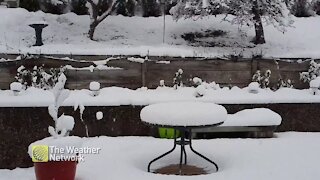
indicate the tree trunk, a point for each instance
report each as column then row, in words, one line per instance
column 92, row 29
column 258, row 26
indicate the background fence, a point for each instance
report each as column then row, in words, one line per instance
column 132, row 74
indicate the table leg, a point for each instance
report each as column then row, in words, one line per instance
column 161, row 156
column 212, row 162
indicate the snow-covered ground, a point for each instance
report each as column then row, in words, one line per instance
column 290, row 156
column 118, row 35
column 115, row 96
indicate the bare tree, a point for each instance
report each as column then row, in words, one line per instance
column 98, row 10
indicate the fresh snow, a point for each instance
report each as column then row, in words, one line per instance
column 16, row 86
column 99, row 115
column 290, row 156
column 94, row 86
column 183, row 114
column 61, row 142
column 254, row 87
column 65, row 122
column 253, row 117
column 118, row 35
column 315, row 83
column 116, row 96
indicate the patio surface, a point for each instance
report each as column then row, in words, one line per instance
column 290, row 156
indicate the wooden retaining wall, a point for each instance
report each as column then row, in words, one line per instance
column 21, row 126
column 148, row 74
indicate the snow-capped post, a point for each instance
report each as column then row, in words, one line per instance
column 98, row 11
column 16, row 88
column 64, row 124
column 94, row 88
column 162, row 83
column 253, row 87
column 315, row 85
column 177, row 80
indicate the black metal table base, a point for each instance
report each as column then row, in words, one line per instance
column 185, row 139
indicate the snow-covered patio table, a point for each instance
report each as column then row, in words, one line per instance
column 183, row 117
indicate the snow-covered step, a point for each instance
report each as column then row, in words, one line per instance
column 253, row 117
column 248, row 120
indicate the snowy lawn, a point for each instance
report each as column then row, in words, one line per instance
column 118, row 35
column 290, row 156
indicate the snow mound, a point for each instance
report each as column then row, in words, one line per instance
column 315, row 83
column 183, row 114
column 65, row 122
column 253, row 117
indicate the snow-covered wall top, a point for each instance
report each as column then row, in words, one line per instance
column 115, row 96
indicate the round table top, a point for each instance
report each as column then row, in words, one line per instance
column 184, row 114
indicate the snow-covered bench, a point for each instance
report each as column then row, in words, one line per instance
column 258, row 122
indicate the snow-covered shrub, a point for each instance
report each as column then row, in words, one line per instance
column 315, row 85
column 94, row 88
column 244, row 12
column 177, row 80
column 301, row 8
column 61, row 128
column 313, row 72
column 284, row 83
column 16, row 88
column 197, row 81
column 262, row 79
column 38, row 76
column 65, row 124
column 316, row 6
column 200, row 91
column 55, row 6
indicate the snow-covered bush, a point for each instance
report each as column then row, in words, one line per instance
column 245, row 12
column 38, row 77
column 312, row 73
column 301, row 8
column 197, row 81
column 200, row 91
column 177, row 80
column 262, row 79
column 63, row 124
column 284, row 83
column 55, row 6
column 315, row 85
column 316, row 6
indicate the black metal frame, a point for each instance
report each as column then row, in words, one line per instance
column 185, row 139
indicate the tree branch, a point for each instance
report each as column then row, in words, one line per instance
column 107, row 13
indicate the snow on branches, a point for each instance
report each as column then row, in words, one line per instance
column 98, row 10
column 244, row 12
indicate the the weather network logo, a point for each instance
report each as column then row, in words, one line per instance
column 40, row 153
